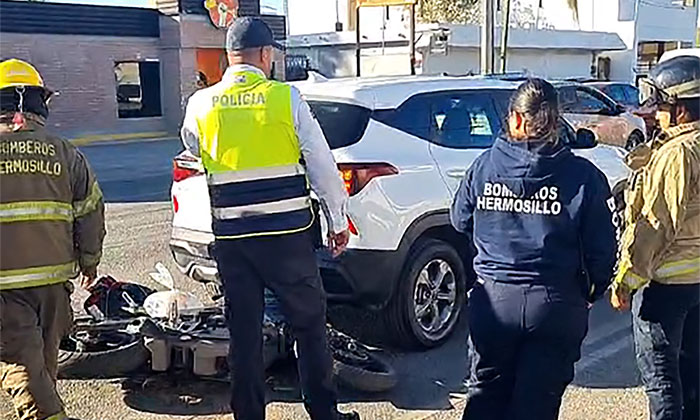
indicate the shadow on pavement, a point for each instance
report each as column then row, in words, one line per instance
column 426, row 379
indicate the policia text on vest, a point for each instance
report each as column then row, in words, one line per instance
column 29, row 157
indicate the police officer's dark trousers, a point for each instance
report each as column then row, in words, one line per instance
column 524, row 341
column 285, row 264
column 667, row 343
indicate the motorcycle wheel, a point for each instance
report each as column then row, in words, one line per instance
column 97, row 349
column 358, row 367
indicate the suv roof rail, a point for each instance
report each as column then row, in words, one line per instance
column 509, row 76
column 467, row 74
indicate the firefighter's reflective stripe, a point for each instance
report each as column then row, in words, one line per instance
column 629, row 278
column 678, row 268
column 23, row 211
column 255, row 174
column 281, row 206
column 90, row 203
column 37, row 276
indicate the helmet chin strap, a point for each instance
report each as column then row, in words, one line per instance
column 18, row 120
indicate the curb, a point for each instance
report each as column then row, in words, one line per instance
column 102, row 138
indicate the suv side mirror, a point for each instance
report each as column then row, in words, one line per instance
column 585, row 138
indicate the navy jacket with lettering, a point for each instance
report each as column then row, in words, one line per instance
column 539, row 215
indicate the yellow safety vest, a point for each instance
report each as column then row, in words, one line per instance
column 251, row 154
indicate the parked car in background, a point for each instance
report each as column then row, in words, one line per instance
column 587, row 107
column 622, row 93
column 402, row 144
column 628, row 96
column 678, row 52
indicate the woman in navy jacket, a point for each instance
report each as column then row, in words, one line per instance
column 545, row 251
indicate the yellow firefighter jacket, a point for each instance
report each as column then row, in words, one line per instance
column 51, row 210
column 661, row 241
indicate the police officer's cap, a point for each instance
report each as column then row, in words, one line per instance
column 677, row 78
column 249, row 32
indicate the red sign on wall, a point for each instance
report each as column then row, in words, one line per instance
column 222, row 12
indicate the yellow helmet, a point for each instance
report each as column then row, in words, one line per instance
column 16, row 73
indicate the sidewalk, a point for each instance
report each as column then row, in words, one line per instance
column 100, row 139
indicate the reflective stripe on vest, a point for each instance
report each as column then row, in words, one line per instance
column 251, row 155
column 281, row 206
column 256, row 174
column 678, row 268
column 37, row 276
column 23, row 211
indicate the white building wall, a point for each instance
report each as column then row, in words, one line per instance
column 543, row 63
column 317, row 16
column 665, row 20
column 637, row 21
column 339, row 61
column 311, row 16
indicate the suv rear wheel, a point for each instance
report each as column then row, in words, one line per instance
column 429, row 297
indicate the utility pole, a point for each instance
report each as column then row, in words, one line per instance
column 358, row 43
column 412, row 38
column 505, row 29
column 487, row 37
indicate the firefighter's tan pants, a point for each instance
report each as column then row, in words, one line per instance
column 32, row 323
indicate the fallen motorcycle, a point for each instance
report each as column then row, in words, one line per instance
column 130, row 325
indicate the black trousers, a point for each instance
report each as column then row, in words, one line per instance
column 667, row 343
column 286, row 265
column 524, row 341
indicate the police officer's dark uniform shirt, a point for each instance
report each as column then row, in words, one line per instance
column 539, row 216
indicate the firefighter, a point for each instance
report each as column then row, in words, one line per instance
column 261, row 147
column 51, row 229
column 545, row 252
column 660, row 251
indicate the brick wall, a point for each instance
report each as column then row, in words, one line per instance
column 81, row 69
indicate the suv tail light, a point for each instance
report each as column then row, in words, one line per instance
column 185, row 167
column 357, row 175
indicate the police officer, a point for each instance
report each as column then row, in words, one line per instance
column 261, row 147
column 660, row 257
column 540, row 220
column 51, row 228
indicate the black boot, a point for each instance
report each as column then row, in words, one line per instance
column 349, row 416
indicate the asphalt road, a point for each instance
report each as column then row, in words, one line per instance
column 431, row 382
column 134, row 171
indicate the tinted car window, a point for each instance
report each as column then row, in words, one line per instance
column 342, row 124
column 568, row 101
column 501, row 99
column 412, row 117
column 632, row 94
column 588, row 103
column 464, row 120
column 578, row 100
column 616, row 92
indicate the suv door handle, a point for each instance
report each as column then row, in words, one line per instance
column 456, row 173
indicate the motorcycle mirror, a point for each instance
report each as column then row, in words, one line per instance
column 163, row 277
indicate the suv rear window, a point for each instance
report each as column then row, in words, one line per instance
column 342, row 124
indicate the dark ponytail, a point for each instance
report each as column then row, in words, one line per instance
column 537, row 101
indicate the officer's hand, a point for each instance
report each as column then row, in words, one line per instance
column 89, row 275
column 337, row 242
column 620, row 297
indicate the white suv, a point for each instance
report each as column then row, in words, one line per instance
column 402, row 147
